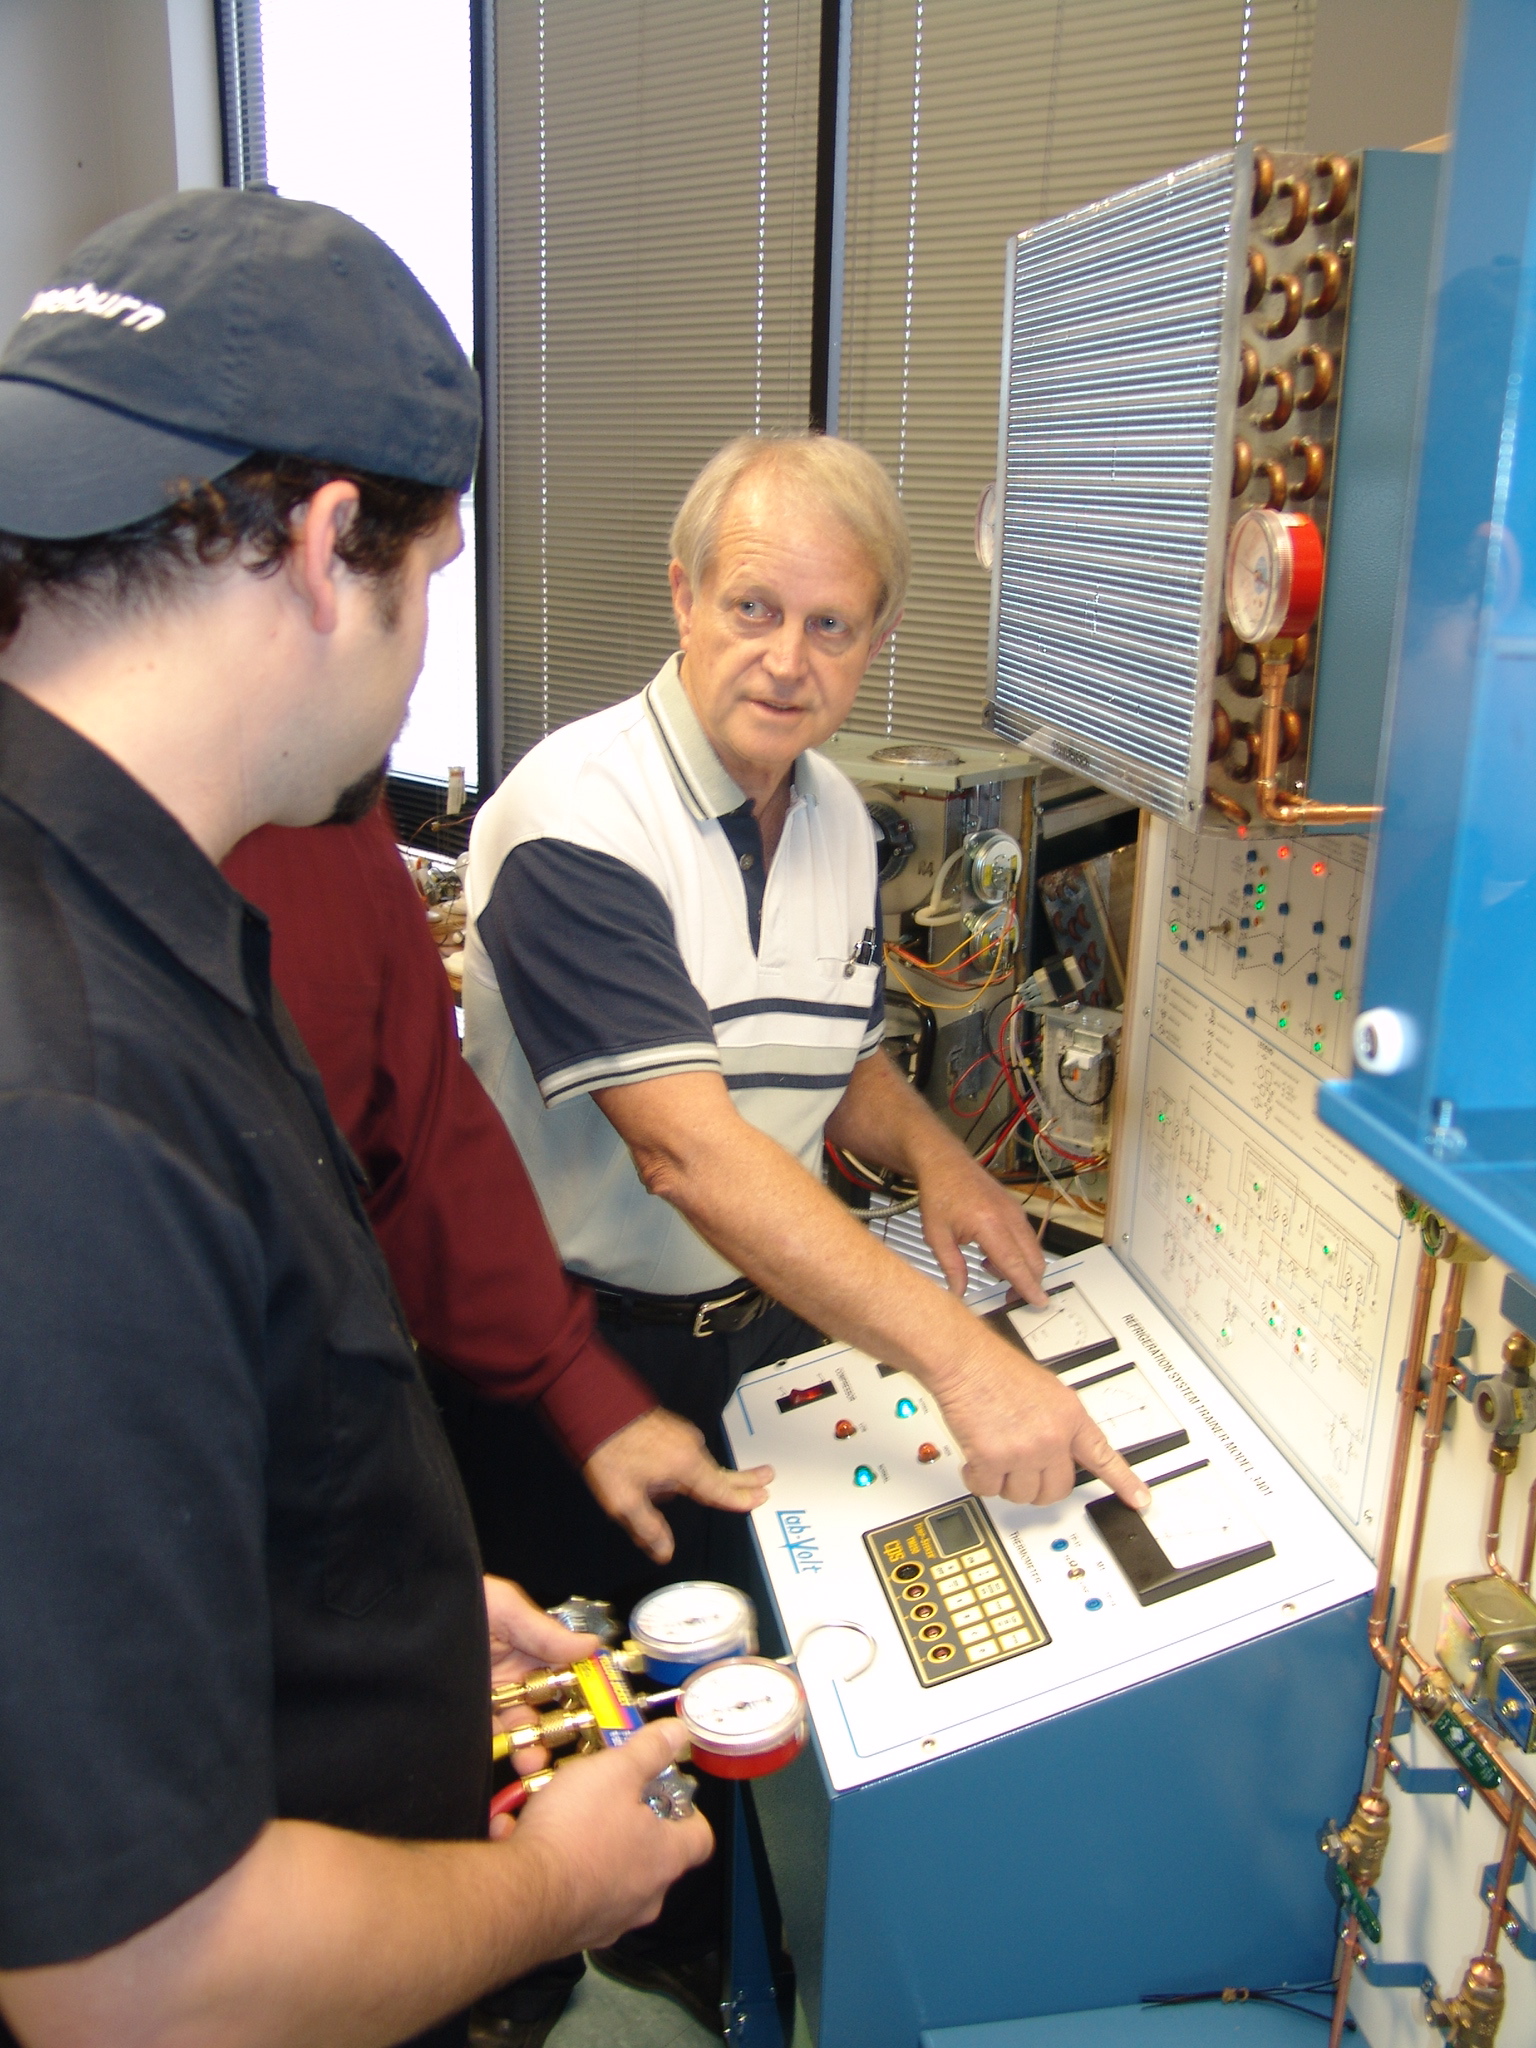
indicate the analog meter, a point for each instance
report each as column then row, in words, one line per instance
column 1274, row 581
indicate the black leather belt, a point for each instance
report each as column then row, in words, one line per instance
column 701, row 1315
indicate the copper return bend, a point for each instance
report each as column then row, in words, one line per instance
column 1291, row 810
column 1228, row 806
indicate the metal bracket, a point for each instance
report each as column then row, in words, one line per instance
column 1429, row 1778
column 1396, row 1976
column 1518, row 1930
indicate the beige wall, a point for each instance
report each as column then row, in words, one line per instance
column 1381, row 73
column 104, row 104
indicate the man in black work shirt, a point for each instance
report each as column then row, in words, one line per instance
column 244, row 1676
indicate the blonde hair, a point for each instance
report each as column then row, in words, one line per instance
column 837, row 475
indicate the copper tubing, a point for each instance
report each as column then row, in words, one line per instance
column 1248, row 378
column 1242, row 467
column 1258, row 281
column 1243, row 759
column 1279, row 484
column 1340, row 173
column 1245, row 673
column 1228, row 806
column 1299, row 192
column 1349, row 1949
column 1320, row 362
column 1285, row 321
column 1263, row 180
column 1313, row 458
column 1330, row 269
column 1498, row 1901
column 1285, row 398
column 1397, row 1474
column 1528, row 1546
column 1301, row 652
column 1221, row 732
column 1228, row 649
column 1292, row 810
column 1442, row 1368
column 1495, row 1527
column 1290, row 733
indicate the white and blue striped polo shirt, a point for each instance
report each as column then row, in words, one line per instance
column 622, row 928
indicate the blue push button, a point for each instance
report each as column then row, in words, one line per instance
column 1060, row 1543
column 1094, row 1604
column 864, row 1475
column 905, row 1407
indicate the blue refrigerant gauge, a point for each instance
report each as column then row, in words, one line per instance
column 696, row 1622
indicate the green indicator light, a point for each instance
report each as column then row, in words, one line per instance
column 1218, row 1230
column 1189, row 1198
column 1327, row 1251
column 1162, row 1116
column 1173, row 927
column 1283, row 1022
column 1227, row 1334
column 1338, row 995
column 1300, row 1332
column 1317, row 1045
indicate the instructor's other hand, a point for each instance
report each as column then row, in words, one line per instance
column 962, row 1204
column 1024, row 1434
column 655, row 1457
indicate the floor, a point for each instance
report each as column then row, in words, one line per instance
column 602, row 2014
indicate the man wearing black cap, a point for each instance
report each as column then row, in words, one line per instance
column 244, row 1672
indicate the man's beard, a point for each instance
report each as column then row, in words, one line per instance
column 359, row 798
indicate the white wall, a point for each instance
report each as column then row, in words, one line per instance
column 104, row 105
column 1381, row 73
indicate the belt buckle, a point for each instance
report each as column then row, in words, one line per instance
column 702, row 1326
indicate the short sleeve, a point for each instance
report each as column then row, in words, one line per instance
column 136, row 1752
column 586, row 958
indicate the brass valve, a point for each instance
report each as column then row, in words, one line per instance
column 550, row 1731
column 536, row 1689
column 1362, row 1841
column 1471, row 2019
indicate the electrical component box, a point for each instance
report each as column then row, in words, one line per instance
column 1484, row 1625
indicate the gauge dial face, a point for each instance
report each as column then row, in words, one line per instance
column 692, row 1615
column 743, row 1705
column 1274, row 580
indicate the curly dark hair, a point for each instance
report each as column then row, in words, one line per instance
column 249, row 510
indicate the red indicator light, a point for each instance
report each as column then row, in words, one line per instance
column 1319, row 867
column 1242, row 831
column 1283, row 852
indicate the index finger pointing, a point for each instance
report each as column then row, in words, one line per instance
column 1093, row 1453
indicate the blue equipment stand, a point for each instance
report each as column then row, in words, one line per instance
column 1161, row 1839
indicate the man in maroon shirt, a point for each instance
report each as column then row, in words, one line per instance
column 482, row 1286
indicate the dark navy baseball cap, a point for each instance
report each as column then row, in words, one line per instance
column 181, row 338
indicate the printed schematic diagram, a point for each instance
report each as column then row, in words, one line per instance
column 1276, row 1246
column 1268, row 931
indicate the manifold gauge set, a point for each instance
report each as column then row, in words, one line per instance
column 692, row 1648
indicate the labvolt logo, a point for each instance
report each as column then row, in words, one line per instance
column 800, row 1541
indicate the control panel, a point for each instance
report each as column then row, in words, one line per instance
column 955, row 1596
column 1278, row 1248
column 1073, row 1601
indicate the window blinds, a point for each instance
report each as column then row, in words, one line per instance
column 968, row 120
column 655, row 228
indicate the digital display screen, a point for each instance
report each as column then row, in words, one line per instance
column 953, row 1530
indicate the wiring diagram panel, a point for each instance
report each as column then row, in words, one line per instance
column 1278, row 1248
column 1267, row 930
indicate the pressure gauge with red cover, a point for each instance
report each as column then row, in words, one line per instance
column 1274, row 581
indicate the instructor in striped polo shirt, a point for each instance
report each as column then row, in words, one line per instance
column 673, row 992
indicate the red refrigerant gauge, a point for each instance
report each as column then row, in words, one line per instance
column 1274, row 582
column 744, row 1718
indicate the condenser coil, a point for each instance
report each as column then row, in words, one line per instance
column 1120, row 356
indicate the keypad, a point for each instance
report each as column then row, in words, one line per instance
column 974, row 1609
